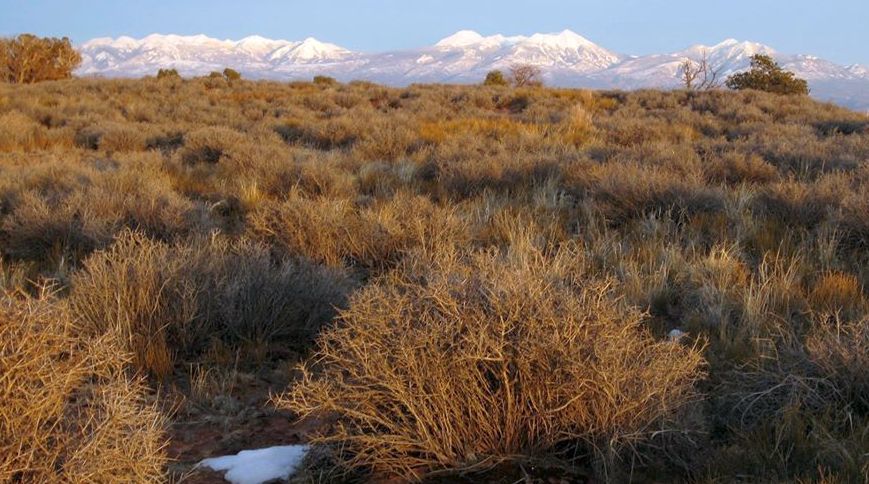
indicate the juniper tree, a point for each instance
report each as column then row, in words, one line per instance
column 766, row 75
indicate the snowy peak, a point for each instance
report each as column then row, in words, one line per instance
column 565, row 50
column 122, row 42
column 566, row 39
column 178, row 41
column 257, row 40
column 470, row 41
column 254, row 45
column 732, row 48
column 727, row 50
column 308, row 50
column 462, row 38
column 259, row 46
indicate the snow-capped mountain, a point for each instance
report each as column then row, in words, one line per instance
column 467, row 56
column 566, row 59
column 197, row 55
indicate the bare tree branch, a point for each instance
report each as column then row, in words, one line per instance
column 700, row 75
column 526, row 75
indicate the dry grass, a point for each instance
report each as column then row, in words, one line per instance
column 837, row 292
column 166, row 301
column 841, row 349
column 203, row 222
column 341, row 232
column 462, row 363
column 132, row 291
column 69, row 412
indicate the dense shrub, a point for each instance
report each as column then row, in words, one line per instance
column 766, row 75
column 461, row 361
column 325, row 81
column 163, row 302
column 231, row 74
column 39, row 228
column 733, row 169
column 526, row 75
column 149, row 301
column 208, row 145
column 339, row 233
column 495, row 78
column 19, row 132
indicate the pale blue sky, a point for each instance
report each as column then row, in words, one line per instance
column 834, row 29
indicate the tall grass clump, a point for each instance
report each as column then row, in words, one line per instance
column 464, row 361
column 134, row 291
column 166, row 303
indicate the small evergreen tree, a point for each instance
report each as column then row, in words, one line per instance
column 325, row 81
column 766, row 75
column 495, row 78
column 231, row 74
column 168, row 74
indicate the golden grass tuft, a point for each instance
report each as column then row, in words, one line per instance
column 735, row 169
column 123, row 138
column 131, row 291
column 496, row 128
column 836, row 291
column 208, row 145
column 19, row 132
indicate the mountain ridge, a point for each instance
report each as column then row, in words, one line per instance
column 566, row 58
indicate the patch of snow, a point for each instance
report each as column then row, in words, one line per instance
column 260, row 465
column 676, row 335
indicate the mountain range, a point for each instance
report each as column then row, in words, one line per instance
column 566, row 59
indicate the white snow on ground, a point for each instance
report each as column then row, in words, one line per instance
column 260, row 465
column 676, row 335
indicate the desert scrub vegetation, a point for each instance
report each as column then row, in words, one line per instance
column 455, row 268
column 70, row 411
column 505, row 357
column 168, row 302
